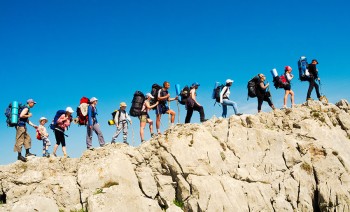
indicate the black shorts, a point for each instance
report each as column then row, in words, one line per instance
column 287, row 87
column 60, row 139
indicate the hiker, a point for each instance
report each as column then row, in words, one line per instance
column 44, row 136
column 262, row 94
column 93, row 125
column 144, row 117
column 162, row 108
column 287, row 88
column 192, row 104
column 22, row 136
column 121, row 121
column 63, row 123
column 313, row 71
column 225, row 100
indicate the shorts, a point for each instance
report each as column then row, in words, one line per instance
column 143, row 118
column 60, row 139
column 287, row 87
column 161, row 109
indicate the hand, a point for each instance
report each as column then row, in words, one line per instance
column 35, row 127
column 29, row 115
column 177, row 97
column 157, row 103
column 90, row 126
column 319, row 79
column 268, row 84
column 221, row 102
column 130, row 122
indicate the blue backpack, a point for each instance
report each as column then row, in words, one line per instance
column 53, row 124
column 303, row 71
column 12, row 113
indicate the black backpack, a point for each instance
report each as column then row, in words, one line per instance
column 154, row 92
column 217, row 92
column 111, row 121
column 184, row 94
column 136, row 104
column 252, row 85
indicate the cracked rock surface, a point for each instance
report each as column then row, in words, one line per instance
column 291, row 160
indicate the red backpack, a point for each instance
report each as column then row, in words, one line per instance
column 38, row 135
column 82, row 111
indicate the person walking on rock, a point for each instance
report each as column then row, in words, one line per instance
column 44, row 136
column 288, row 88
column 313, row 71
column 225, row 100
column 162, row 108
column 121, row 121
column 144, row 118
column 63, row 123
column 262, row 93
column 192, row 104
column 22, row 136
column 93, row 125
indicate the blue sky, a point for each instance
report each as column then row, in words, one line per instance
column 58, row 51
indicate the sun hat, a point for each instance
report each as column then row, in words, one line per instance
column 123, row 104
column 30, row 101
column 229, row 81
column 42, row 118
column 149, row 95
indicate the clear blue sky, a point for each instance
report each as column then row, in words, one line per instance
column 58, row 51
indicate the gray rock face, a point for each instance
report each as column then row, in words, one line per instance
column 292, row 160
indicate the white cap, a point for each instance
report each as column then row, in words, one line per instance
column 69, row 109
column 149, row 95
column 229, row 80
column 93, row 99
column 42, row 118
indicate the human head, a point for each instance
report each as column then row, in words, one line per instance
column 31, row 102
column 229, row 82
column 314, row 61
column 93, row 100
column 43, row 120
column 69, row 110
column 166, row 85
column 122, row 105
column 148, row 95
column 287, row 68
column 195, row 85
column 262, row 77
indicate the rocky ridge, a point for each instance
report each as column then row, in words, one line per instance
column 286, row 160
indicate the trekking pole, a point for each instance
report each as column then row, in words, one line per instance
column 133, row 135
column 178, row 112
column 169, row 114
column 61, row 131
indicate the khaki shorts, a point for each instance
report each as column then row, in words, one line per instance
column 22, row 138
column 143, row 118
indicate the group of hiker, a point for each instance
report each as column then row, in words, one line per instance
column 158, row 99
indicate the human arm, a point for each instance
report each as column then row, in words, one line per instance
column 263, row 86
column 223, row 91
column 128, row 117
column 193, row 96
column 148, row 106
column 89, row 116
column 116, row 118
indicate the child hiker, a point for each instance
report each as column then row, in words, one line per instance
column 44, row 136
column 121, row 121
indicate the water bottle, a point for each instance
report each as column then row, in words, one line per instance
column 274, row 73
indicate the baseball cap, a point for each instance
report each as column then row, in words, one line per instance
column 93, row 99
column 123, row 104
column 314, row 60
column 69, row 109
column 195, row 84
column 287, row 68
column 30, row 101
column 229, row 80
column 149, row 95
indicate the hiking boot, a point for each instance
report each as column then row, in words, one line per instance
column 30, row 154
column 204, row 120
column 54, row 154
column 125, row 142
column 90, row 148
column 309, row 99
column 239, row 114
column 152, row 135
column 112, row 142
column 102, row 145
column 21, row 158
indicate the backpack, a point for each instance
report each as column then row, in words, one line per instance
column 53, row 124
column 154, row 92
column 136, row 104
column 251, row 86
column 184, row 94
column 12, row 113
column 82, row 111
column 303, row 69
column 38, row 135
column 280, row 81
column 111, row 122
column 217, row 92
